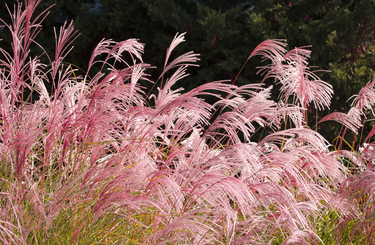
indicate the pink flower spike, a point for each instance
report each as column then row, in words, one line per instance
column 66, row 37
column 366, row 97
column 176, row 41
column 298, row 54
column 187, row 59
column 352, row 120
column 270, row 49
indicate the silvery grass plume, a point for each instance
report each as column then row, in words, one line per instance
column 92, row 162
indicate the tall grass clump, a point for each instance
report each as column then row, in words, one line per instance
column 96, row 160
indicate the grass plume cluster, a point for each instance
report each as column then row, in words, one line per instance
column 97, row 160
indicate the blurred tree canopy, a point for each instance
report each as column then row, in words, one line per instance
column 225, row 32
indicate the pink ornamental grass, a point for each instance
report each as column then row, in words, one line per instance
column 291, row 71
column 92, row 162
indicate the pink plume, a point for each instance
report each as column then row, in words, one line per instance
column 270, row 49
column 366, row 97
column 352, row 119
